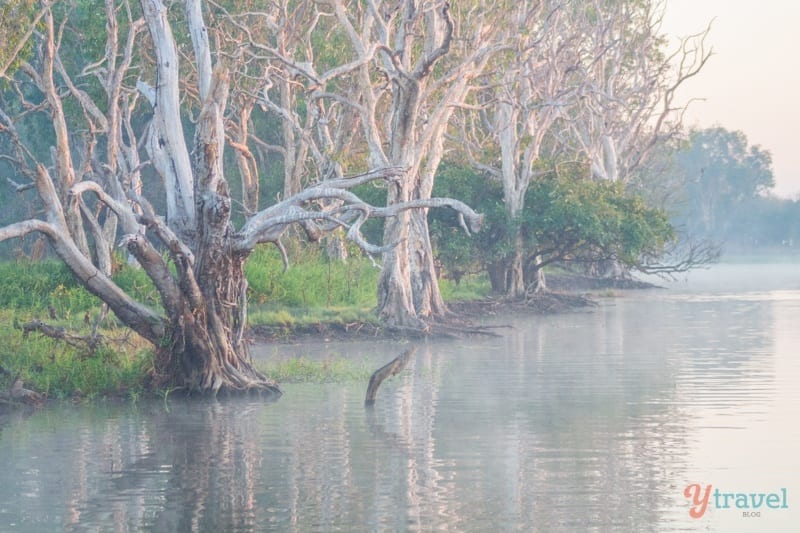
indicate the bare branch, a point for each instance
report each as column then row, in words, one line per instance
column 20, row 229
column 20, row 187
column 683, row 257
column 123, row 211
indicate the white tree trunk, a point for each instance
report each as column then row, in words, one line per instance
column 166, row 143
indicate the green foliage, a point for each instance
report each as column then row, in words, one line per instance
column 564, row 218
column 459, row 253
column 86, row 28
column 312, row 281
column 16, row 18
column 577, row 219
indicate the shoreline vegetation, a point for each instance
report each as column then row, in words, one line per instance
column 56, row 347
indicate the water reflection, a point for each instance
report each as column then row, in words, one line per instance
column 578, row 422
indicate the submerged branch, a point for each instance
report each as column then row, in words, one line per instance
column 393, row 368
column 18, row 394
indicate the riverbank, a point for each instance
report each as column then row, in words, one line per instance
column 566, row 292
column 52, row 349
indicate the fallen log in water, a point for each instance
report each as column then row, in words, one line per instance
column 394, row 367
column 18, row 394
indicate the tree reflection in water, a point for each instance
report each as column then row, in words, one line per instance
column 566, row 422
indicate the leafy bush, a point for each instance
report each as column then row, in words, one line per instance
column 582, row 220
column 565, row 218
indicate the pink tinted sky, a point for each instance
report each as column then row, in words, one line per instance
column 752, row 82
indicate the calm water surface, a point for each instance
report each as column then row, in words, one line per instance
column 588, row 421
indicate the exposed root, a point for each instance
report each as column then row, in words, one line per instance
column 547, row 302
column 226, row 380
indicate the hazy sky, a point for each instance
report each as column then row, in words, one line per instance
column 752, row 82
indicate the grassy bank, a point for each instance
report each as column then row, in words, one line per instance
column 312, row 291
column 304, row 370
column 64, row 368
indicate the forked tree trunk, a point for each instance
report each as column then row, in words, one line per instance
column 204, row 349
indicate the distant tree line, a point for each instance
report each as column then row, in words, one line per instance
column 721, row 191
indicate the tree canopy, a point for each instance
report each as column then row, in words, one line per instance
column 565, row 219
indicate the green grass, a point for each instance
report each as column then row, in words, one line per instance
column 49, row 286
column 35, row 286
column 301, row 316
column 303, row 370
column 313, row 291
column 311, row 281
column 58, row 370
column 470, row 288
column 48, row 291
column 316, row 290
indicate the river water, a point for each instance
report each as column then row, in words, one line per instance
column 596, row 420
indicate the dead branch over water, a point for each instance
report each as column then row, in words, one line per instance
column 392, row 368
